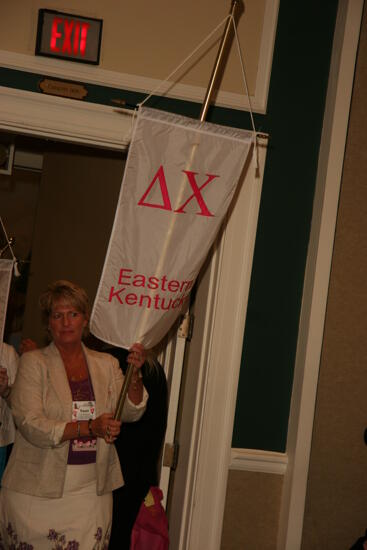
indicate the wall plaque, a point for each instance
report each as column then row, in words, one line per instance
column 62, row 88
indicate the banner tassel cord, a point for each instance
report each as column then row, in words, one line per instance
column 9, row 245
column 240, row 56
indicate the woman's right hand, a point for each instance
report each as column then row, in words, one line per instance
column 106, row 426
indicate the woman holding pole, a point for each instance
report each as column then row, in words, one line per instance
column 57, row 487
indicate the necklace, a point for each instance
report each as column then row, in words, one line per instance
column 77, row 377
column 76, row 371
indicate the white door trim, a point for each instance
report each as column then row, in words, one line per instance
column 175, row 352
column 64, row 119
column 318, row 269
column 220, row 362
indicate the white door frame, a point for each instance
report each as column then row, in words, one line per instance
column 229, row 283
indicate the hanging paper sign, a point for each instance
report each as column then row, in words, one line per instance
column 6, row 267
column 179, row 180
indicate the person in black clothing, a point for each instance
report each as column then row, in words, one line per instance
column 139, row 447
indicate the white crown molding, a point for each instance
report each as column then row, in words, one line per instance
column 94, row 75
column 252, row 460
column 64, row 119
column 58, row 68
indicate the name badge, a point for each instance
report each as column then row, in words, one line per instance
column 84, row 410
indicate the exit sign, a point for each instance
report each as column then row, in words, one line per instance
column 69, row 36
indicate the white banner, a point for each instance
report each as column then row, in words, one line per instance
column 179, row 180
column 6, row 267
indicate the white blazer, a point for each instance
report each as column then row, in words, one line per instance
column 41, row 403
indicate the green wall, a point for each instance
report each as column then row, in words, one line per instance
column 294, row 120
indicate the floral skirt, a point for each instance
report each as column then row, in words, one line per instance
column 80, row 520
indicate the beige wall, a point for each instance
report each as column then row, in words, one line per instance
column 336, row 504
column 147, row 38
column 252, row 511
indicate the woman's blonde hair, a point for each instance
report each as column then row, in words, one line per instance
column 70, row 292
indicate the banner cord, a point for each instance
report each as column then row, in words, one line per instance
column 247, row 93
column 183, row 62
column 16, row 271
column 167, row 79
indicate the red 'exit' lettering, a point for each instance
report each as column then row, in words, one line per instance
column 69, row 36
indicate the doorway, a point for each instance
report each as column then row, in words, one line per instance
column 58, row 206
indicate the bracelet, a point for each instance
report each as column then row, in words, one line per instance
column 135, row 380
column 90, row 427
column 78, row 429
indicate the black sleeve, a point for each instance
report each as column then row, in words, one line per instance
column 139, row 447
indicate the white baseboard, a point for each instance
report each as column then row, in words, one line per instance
column 252, row 460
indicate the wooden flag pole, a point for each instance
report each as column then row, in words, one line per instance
column 124, row 390
column 204, row 110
